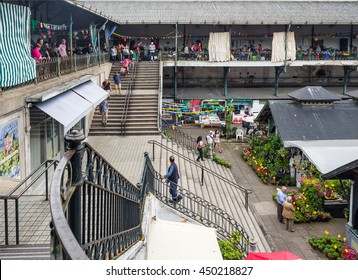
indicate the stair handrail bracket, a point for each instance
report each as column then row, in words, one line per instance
column 96, row 211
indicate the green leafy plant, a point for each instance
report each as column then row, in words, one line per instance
column 335, row 248
column 166, row 134
column 221, row 161
column 268, row 158
column 230, row 249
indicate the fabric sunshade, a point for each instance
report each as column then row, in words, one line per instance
column 70, row 107
column 91, row 92
column 327, row 155
column 219, row 46
column 67, row 108
column 278, row 47
column 16, row 64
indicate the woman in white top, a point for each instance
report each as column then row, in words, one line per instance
column 217, row 141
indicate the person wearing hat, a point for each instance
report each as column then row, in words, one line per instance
column 210, row 141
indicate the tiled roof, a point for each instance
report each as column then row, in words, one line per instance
column 225, row 12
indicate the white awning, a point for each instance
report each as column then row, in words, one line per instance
column 71, row 106
column 91, row 92
column 327, row 155
column 67, row 108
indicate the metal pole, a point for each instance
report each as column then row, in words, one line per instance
column 6, row 223
column 71, row 24
column 17, row 220
column 226, row 72
column 202, row 176
column 99, row 48
column 175, row 63
column 346, row 74
column 278, row 71
column 74, row 140
column 153, row 152
column 46, row 179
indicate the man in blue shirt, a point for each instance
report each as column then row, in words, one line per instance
column 281, row 197
column 173, row 177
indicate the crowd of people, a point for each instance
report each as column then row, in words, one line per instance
column 44, row 51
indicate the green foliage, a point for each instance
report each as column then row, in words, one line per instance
column 166, row 134
column 221, row 161
column 333, row 247
column 230, row 249
column 268, row 157
column 228, row 121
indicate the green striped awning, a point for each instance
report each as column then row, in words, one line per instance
column 16, row 64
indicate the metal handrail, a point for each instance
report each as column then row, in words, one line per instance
column 245, row 191
column 179, row 136
column 96, row 211
column 205, row 212
column 20, row 191
column 127, row 101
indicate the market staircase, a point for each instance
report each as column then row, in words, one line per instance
column 142, row 115
column 214, row 189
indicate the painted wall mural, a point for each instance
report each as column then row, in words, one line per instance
column 9, row 150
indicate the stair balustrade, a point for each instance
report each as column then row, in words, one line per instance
column 97, row 213
column 193, row 206
column 204, row 169
column 25, row 196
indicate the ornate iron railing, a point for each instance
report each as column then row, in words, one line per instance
column 96, row 212
column 193, row 206
column 24, row 198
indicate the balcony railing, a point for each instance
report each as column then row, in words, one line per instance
column 264, row 56
column 56, row 67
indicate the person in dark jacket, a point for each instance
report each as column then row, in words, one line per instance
column 173, row 177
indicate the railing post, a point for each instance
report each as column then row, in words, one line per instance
column 59, row 66
column 46, row 179
column 75, row 62
column 17, row 221
column 153, row 152
column 202, row 176
column 246, row 200
column 6, row 222
column 74, row 140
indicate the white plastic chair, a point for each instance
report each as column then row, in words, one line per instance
column 239, row 133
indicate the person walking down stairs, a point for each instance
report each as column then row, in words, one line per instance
column 173, row 177
column 103, row 109
column 117, row 82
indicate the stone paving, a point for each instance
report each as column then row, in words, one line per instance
column 261, row 200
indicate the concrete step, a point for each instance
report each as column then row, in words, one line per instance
column 218, row 192
column 25, row 252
